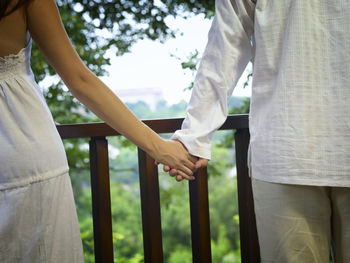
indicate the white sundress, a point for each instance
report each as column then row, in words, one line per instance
column 38, row 220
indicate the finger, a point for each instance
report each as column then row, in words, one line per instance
column 189, row 165
column 166, row 168
column 185, row 170
column 156, row 163
column 173, row 172
column 185, row 176
column 179, row 178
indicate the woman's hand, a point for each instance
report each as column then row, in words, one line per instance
column 173, row 154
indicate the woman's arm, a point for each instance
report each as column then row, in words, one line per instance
column 47, row 30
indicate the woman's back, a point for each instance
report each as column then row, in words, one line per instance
column 31, row 149
column 13, row 32
column 38, row 221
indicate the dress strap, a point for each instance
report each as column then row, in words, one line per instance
column 28, row 38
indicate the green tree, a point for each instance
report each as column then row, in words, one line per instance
column 123, row 23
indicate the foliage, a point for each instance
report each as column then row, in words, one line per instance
column 243, row 109
column 97, row 26
column 126, row 216
column 190, row 64
column 125, row 200
column 123, row 22
column 162, row 110
column 174, row 200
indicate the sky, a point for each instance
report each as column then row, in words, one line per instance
column 150, row 65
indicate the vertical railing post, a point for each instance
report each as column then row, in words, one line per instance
column 150, row 206
column 200, row 221
column 101, row 202
column 248, row 233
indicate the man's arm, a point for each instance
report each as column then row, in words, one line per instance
column 228, row 51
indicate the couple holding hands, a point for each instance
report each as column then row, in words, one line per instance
column 299, row 126
column 38, row 220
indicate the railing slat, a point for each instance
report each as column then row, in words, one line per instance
column 101, row 201
column 200, row 221
column 150, row 206
column 248, row 233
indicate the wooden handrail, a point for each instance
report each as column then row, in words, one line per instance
column 100, row 129
column 150, row 203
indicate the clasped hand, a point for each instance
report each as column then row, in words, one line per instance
column 178, row 162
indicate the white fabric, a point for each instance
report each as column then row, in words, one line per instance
column 300, row 108
column 38, row 221
column 298, row 223
column 30, row 146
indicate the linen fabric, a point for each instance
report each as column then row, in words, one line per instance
column 38, row 221
column 298, row 223
column 31, row 149
column 299, row 115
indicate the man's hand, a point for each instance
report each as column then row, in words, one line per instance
column 201, row 162
column 173, row 153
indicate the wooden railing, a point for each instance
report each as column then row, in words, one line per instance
column 149, row 187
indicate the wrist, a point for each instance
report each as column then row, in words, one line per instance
column 153, row 144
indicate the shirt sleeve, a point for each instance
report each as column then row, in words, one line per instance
column 227, row 53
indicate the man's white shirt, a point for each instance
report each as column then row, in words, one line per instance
column 300, row 106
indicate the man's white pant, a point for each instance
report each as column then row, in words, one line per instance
column 298, row 223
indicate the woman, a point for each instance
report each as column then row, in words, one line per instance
column 38, row 222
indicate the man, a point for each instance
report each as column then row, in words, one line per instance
column 299, row 119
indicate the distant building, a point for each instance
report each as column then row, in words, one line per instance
column 149, row 95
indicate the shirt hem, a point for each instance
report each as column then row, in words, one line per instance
column 310, row 182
